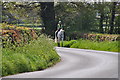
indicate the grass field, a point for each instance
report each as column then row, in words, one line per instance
column 87, row 44
column 37, row 55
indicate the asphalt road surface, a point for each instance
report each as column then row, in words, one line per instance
column 79, row 63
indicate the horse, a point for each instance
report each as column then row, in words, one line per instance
column 59, row 36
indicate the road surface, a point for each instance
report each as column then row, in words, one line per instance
column 79, row 63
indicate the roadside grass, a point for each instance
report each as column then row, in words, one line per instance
column 37, row 55
column 69, row 43
column 94, row 45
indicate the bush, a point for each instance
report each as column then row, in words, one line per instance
column 37, row 55
column 95, row 45
column 16, row 36
column 69, row 43
column 92, row 36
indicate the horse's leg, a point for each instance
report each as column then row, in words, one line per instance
column 58, row 44
column 62, row 44
column 58, row 41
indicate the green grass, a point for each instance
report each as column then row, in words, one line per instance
column 37, row 55
column 69, row 43
column 87, row 44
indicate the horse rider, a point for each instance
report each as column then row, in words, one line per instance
column 59, row 34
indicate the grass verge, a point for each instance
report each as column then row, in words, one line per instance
column 87, row 44
column 37, row 55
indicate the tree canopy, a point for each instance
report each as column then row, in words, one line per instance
column 84, row 17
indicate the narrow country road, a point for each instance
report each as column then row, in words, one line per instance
column 79, row 63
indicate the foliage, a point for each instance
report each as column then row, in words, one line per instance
column 93, row 36
column 37, row 55
column 103, row 46
column 69, row 43
column 76, row 15
column 101, row 37
column 89, row 16
column 21, row 12
column 23, row 51
column 13, row 36
column 101, row 17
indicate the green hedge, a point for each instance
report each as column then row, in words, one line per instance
column 94, row 45
column 37, row 55
column 69, row 43
column 12, row 35
column 93, row 36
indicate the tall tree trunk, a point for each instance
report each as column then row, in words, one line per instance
column 48, row 17
column 112, row 17
column 101, row 22
column 106, row 27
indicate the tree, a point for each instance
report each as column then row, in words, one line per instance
column 26, row 12
column 112, row 17
column 75, row 15
column 100, row 8
column 48, row 17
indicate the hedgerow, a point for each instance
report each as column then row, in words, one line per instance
column 94, row 36
column 37, row 55
column 16, row 36
column 24, row 51
column 94, row 45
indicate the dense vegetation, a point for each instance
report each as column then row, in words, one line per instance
column 94, row 45
column 82, row 17
column 93, row 17
column 96, row 24
column 37, row 55
column 95, row 37
column 24, row 50
column 13, row 36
